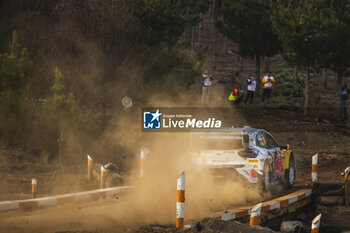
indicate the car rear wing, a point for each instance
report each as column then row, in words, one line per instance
column 234, row 132
column 228, row 129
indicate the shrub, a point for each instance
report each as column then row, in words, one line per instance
column 16, row 110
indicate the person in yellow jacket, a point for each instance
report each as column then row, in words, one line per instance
column 267, row 81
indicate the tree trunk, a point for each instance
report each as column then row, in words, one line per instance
column 240, row 63
column 192, row 40
column 214, row 34
column 267, row 65
column 306, row 102
column 325, row 77
column 296, row 74
column 257, row 72
column 225, row 45
column 200, row 30
column 338, row 93
column 187, row 37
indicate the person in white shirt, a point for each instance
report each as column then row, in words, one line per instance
column 251, row 89
column 206, row 89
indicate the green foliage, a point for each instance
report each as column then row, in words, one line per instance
column 58, row 114
column 171, row 72
column 314, row 34
column 98, row 42
column 163, row 21
column 286, row 85
column 60, row 107
column 248, row 23
column 15, row 106
column 338, row 40
column 16, row 67
column 287, row 90
column 302, row 27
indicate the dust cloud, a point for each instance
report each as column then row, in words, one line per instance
column 155, row 195
column 152, row 201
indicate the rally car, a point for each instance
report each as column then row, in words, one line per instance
column 250, row 153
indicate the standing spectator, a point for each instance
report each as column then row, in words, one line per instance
column 344, row 99
column 206, row 89
column 251, row 89
column 267, row 80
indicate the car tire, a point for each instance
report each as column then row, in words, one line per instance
column 291, row 172
column 267, row 178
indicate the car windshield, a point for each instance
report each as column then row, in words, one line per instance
column 218, row 143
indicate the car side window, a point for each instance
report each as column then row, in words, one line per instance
column 260, row 140
column 271, row 143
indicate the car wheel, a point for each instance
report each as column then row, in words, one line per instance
column 267, row 178
column 291, row 172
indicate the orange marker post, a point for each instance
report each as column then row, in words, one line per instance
column 34, row 187
column 180, row 201
column 255, row 215
column 346, row 185
column 346, row 174
column 89, row 166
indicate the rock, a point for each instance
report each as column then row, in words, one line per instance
column 331, row 200
column 292, row 227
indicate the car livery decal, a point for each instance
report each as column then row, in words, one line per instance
column 250, row 177
column 253, row 161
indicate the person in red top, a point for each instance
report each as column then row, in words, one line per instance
column 267, row 81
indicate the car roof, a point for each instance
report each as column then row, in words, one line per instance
column 232, row 130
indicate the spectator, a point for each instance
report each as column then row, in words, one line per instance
column 206, row 89
column 267, row 80
column 251, row 89
column 236, row 96
column 344, row 99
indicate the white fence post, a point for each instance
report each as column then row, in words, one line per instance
column 316, row 222
column 103, row 177
column 314, row 169
column 143, row 156
column 180, row 201
column 255, row 215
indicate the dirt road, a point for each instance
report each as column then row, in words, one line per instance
column 129, row 213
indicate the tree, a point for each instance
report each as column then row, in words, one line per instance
column 338, row 38
column 58, row 114
column 15, row 71
column 60, row 108
column 302, row 27
column 163, row 21
column 247, row 23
